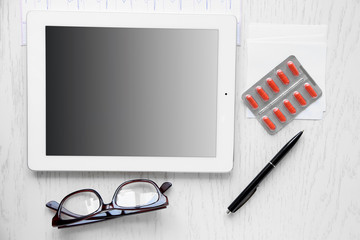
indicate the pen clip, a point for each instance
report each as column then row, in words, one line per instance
column 246, row 199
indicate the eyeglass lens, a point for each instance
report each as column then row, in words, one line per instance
column 137, row 194
column 82, row 203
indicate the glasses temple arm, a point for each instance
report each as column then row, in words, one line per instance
column 114, row 213
column 81, row 223
column 165, row 186
column 102, row 216
column 97, row 217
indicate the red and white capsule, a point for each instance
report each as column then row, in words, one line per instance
column 272, row 85
column 269, row 123
column 284, row 79
column 299, row 98
column 310, row 90
column 293, row 68
column 279, row 115
column 262, row 93
column 252, row 101
column 289, row 106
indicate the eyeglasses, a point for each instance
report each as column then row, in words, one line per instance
column 86, row 206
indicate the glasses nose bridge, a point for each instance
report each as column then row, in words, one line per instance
column 108, row 206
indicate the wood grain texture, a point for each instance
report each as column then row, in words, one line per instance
column 313, row 194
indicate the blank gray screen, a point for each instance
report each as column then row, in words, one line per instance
column 131, row 91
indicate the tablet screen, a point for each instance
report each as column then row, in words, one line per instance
column 131, row 91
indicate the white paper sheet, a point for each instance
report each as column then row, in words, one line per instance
column 263, row 30
column 176, row 6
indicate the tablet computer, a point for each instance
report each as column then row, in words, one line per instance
column 130, row 92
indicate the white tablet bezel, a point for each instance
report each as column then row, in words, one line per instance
column 37, row 159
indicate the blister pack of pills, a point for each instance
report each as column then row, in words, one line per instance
column 283, row 93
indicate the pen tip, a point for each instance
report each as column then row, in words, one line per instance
column 228, row 211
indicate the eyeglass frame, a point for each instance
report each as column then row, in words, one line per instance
column 109, row 210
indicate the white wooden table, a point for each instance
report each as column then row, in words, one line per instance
column 313, row 194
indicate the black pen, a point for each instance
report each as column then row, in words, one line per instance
column 251, row 188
